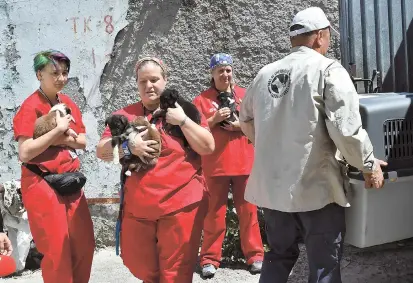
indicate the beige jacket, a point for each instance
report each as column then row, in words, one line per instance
column 304, row 108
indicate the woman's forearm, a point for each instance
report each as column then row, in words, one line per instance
column 75, row 143
column 211, row 122
column 30, row 148
column 104, row 150
column 199, row 138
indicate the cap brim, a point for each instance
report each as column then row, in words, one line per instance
column 333, row 32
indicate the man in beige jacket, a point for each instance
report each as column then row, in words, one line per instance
column 298, row 111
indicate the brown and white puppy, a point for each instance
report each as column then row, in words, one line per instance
column 122, row 130
column 46, row 123
column 153, row 134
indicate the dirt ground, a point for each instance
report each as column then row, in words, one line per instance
column 390, row 263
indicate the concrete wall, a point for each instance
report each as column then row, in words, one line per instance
column 104, row 38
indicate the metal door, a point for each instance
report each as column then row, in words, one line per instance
column 377, row 44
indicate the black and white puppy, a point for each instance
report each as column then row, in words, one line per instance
column 167, row 100
column 226, row 99
column 122, row 130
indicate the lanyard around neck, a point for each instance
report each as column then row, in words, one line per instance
column 47, row 98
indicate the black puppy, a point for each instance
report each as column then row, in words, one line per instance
column 167, row 100
column 121, row 130
column 226, row 99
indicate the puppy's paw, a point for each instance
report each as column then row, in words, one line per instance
column 116, row 154
column 153, row 162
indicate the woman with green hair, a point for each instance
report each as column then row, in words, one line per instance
column 61, row 224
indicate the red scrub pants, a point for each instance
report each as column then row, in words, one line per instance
column 163, row 250
column 63, row 232
column 214, row 225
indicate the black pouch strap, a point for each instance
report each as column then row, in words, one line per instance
column 36, row 170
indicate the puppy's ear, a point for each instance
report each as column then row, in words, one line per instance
column 164, row 99
column 60, row 113
column 108, row 120
column 68, row 111
column 174, row 94
column 38, row 113
column 171, row 96
column 124, row 120
column 164, row 92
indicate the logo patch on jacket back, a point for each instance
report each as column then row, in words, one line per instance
column 279, row 83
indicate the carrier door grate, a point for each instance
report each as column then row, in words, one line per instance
column 398, row 139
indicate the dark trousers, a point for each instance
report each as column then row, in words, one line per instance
column 323, row 232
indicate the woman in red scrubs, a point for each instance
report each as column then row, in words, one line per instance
column 164, row 207
column 61, row 225
column 229, row 165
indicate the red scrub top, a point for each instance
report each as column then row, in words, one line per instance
column 175, row 182
column 54, row 159
column 233, row 154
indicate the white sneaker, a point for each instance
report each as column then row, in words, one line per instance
column 256, row 267
column 208, row 270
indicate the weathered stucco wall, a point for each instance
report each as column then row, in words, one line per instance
column 104, row 38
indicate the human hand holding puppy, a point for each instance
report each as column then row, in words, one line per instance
column 142, row 148
column 232, row 126
column 176, row 116
column 221, row 115
column 62, row 124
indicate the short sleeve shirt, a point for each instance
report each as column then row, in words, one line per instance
column 54, row 159
column 175, row 182
column 234, row 153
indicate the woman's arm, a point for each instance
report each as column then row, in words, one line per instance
column 75, row 143
column 138, row 147
column 249, row 130
column 232, row 126
column 199, row 138
column 104, row 150
column 75, row 137
column 219, row 116
column 30, row 148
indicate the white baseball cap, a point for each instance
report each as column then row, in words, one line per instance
column 311, row 19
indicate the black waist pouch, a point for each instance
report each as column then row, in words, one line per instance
column 64, row 184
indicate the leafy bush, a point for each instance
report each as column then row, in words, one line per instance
column 231, row 248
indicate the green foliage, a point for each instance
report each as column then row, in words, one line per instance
column 231, row 248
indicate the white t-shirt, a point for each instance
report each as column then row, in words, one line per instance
column 303, row 108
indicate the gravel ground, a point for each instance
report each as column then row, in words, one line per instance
column 391, row 263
